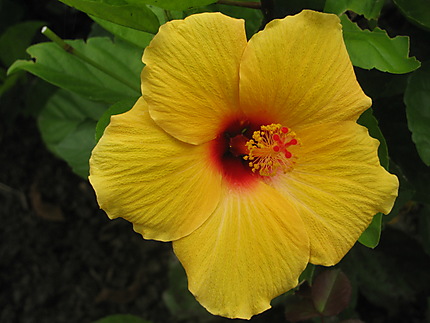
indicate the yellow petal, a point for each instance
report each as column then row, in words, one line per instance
column 192, row 74
column 165, row 187
column 252, row 249
column 297, row 71
column 338, row 186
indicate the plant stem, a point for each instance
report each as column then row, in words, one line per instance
column 247, row 4
column 68, row 48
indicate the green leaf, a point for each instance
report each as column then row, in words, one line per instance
column 417, row 100
column 307, row 274
column 402, row 149
column 167, row 15
column 173, row 4
column 65, row 70
column 369, row 8
column 133, row 14
column 371, row 236
column 117, row 108
column 417, row 11
column 138, row 38
column 15, row 40
column 122, row 318
column 375, row 49
column 67, row 124
column 34, row 104
column 8, row 82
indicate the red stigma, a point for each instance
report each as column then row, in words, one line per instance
column 268, row 150
column 292, row 142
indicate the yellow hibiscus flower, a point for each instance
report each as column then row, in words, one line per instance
column 246, row 155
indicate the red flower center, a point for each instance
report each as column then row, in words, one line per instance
column 247, row 150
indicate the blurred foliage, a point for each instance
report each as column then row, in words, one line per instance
column 121, row 318
column 417, row 100
column 389, row 45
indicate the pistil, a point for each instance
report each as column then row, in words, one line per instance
column 269, row 150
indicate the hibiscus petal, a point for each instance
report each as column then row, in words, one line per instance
column 165, row 187
column 338, row 186
column 192, row 74
column 252, row 249
column 297, row 71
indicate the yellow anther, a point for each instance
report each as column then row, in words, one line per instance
column 269, row 150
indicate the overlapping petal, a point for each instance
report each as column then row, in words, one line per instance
column 191, row 76
column 250, row 250
column 337, row 186
column 165, row 187
column 297, row 70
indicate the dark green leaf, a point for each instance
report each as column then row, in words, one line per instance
column 375, row 49
column 34, row 104
column 76, row 147
column 173, row 4
column 8, row 82
column 67, row 124
column 369, row 8
column 370, row 237
column 331, row 292
column 122, row 318
column 133, row 14
column 369, row 121
column 65, row 70
column 117, row 108
column 402, row 150
column 307, row 274
column 417, row 11
column 167, row 15
column 136, row 37
column 15, row 40
column 417, row 100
